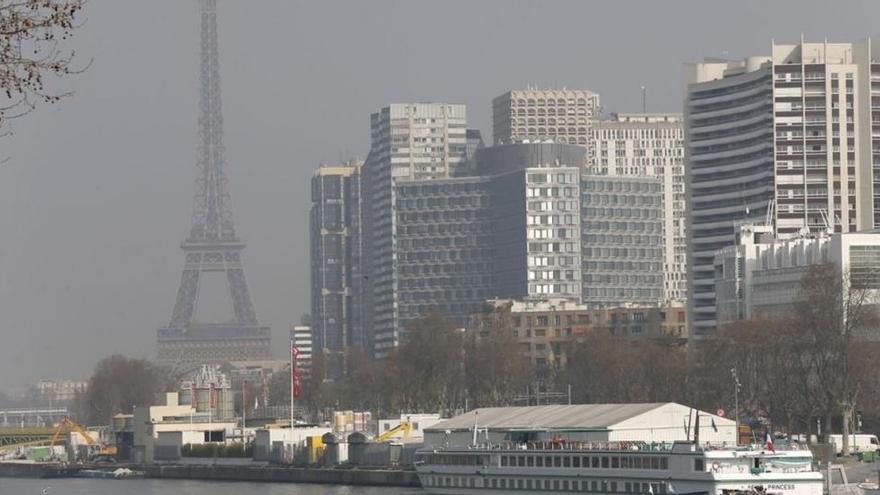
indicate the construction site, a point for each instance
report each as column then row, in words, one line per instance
column 200, row 423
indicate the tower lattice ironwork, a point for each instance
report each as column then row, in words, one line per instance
column 212, row 244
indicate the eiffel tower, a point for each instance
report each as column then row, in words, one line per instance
column 212, row 245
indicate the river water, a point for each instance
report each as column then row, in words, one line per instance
column 78, row 486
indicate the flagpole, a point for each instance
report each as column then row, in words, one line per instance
column 292, row 378
column 243, row 408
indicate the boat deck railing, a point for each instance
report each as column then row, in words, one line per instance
column 619, row 447
column 577, row 446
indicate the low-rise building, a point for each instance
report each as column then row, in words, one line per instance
column 763, row 276
column 178, row 424
column 547, row 328
column 56, row 391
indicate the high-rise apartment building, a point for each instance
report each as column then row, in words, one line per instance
column 785, row 140
column 649, row 145
column 622, row 240
column 303, row 339
column 418, row 141
column 444, row 252
column 512, row 231
column 336, row 257
column 560, row 115
column 536, row 218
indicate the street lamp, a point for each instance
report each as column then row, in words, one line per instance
column 736, row 387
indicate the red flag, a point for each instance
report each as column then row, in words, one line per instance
column 295, row 387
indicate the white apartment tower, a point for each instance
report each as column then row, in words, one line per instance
column 560, row 115
column 784, row 140
column 410, row 141
column 649, row 145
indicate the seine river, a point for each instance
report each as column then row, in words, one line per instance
column 78, row 486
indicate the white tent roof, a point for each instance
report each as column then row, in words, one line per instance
column 580, row 416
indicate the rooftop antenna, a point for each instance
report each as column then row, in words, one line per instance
column 644, row 99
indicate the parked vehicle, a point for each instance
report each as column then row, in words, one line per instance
column 858, row 442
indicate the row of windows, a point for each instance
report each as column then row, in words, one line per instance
column 621, row 134
column 558, row 138
column 549, row 101
column 597, row 462
column 552, row 121
column 554, row 485
column 599, row 296
column 599, row 185
column 421, row 190
column 622, row 199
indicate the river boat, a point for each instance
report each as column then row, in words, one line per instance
column 681, row 468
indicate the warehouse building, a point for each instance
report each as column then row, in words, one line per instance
column 650, row 422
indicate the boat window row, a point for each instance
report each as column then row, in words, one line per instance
column 457, row 459
column 554, row 485
column 586, row 461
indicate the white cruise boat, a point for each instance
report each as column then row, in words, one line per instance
column 618, row 467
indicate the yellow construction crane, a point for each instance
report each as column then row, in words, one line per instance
column 98, row 448
column 405, row 427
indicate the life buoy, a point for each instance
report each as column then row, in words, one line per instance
column 715, row 467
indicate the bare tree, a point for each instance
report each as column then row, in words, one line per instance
column 767, row 366
column 606, row 368
column 32, row 46
column 118, row 384
column 496, row 367
column 835, row 314
column 426, row 373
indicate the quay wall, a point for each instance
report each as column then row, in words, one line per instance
column 363, row 477
column 35, row 470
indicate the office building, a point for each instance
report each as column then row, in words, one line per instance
column 444, row 247
column 559, row 115
column 783, row 140
column 511, row 231
column 622, row 241
column 535, row 218
column 763, row 277
column 649, row 145
column 336, row 249
column 419, row 141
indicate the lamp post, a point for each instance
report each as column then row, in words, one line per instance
column 736, row 387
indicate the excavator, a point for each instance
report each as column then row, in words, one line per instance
column 404, row 427
column 95, row 448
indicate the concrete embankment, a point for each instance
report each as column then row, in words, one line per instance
column 36, row 470
column 364, row 477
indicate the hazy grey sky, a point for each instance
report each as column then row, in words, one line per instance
column 96, row 196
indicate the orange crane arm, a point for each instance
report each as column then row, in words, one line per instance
column 65, row 421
